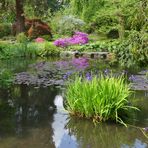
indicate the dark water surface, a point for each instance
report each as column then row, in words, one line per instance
column 34, row 117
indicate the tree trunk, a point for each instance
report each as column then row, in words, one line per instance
column 20, row 19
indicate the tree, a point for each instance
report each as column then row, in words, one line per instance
column 20, row 18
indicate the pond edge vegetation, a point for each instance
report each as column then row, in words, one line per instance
column 100, row 99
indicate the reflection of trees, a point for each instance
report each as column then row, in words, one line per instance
column 16, row 65
column 34, row 102
column 140, row 100
column 6, row 112
column 102, row 135
column 37, row 138
column 6, row 117
column 32, row 110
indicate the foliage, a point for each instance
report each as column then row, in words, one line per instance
column 46, row 37
column 30, row 50
column 5, row 29
column 105, row 20
column 101, row 98
column 6, row 78
column 130, row 52
column 85, row 9
column 133, row 50
column 67, row 25
column 31, row 14
column 105, row 15
column 7, row 8
column 41, row 9
column 49, row 50
column 56, row 17
column 7, row 50
column 29, row 11
column 112, row 18
column 32, row 9
column 22, row 38
column 96, row 46
column 138, row 9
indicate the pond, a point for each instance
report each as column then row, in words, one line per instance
column 32, row 113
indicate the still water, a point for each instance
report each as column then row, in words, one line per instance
column 34, row 117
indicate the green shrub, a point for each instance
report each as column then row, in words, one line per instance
column 88, row 47
column 133, row 50
column 3, row 45
column 104, row 98
column 26, row 49
column 6, row 78
column 7, row 50
column 138, row 9
column 5, row 29
column 96, row 46
column 46, row 37
column 33, row 49
column 85, row 9
column 22, row 38
column 49, row 50
column 68, row 24
column 105, row 22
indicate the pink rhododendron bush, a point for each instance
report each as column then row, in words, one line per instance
column 77, row 38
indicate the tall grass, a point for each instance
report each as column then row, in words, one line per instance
column 101, row 99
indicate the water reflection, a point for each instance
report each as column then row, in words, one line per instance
column 141, row 101
column 137, row 144
column 104, row 135
column 29, row 119
column 58, row 101
column 35, row 117
column 61, row 135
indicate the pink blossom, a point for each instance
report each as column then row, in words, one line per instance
column 39, row 40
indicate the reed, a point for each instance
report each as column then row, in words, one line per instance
column 101, row 99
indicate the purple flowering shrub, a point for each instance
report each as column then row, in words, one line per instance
column 77, row 38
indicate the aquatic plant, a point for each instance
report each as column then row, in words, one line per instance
column 101, row 98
